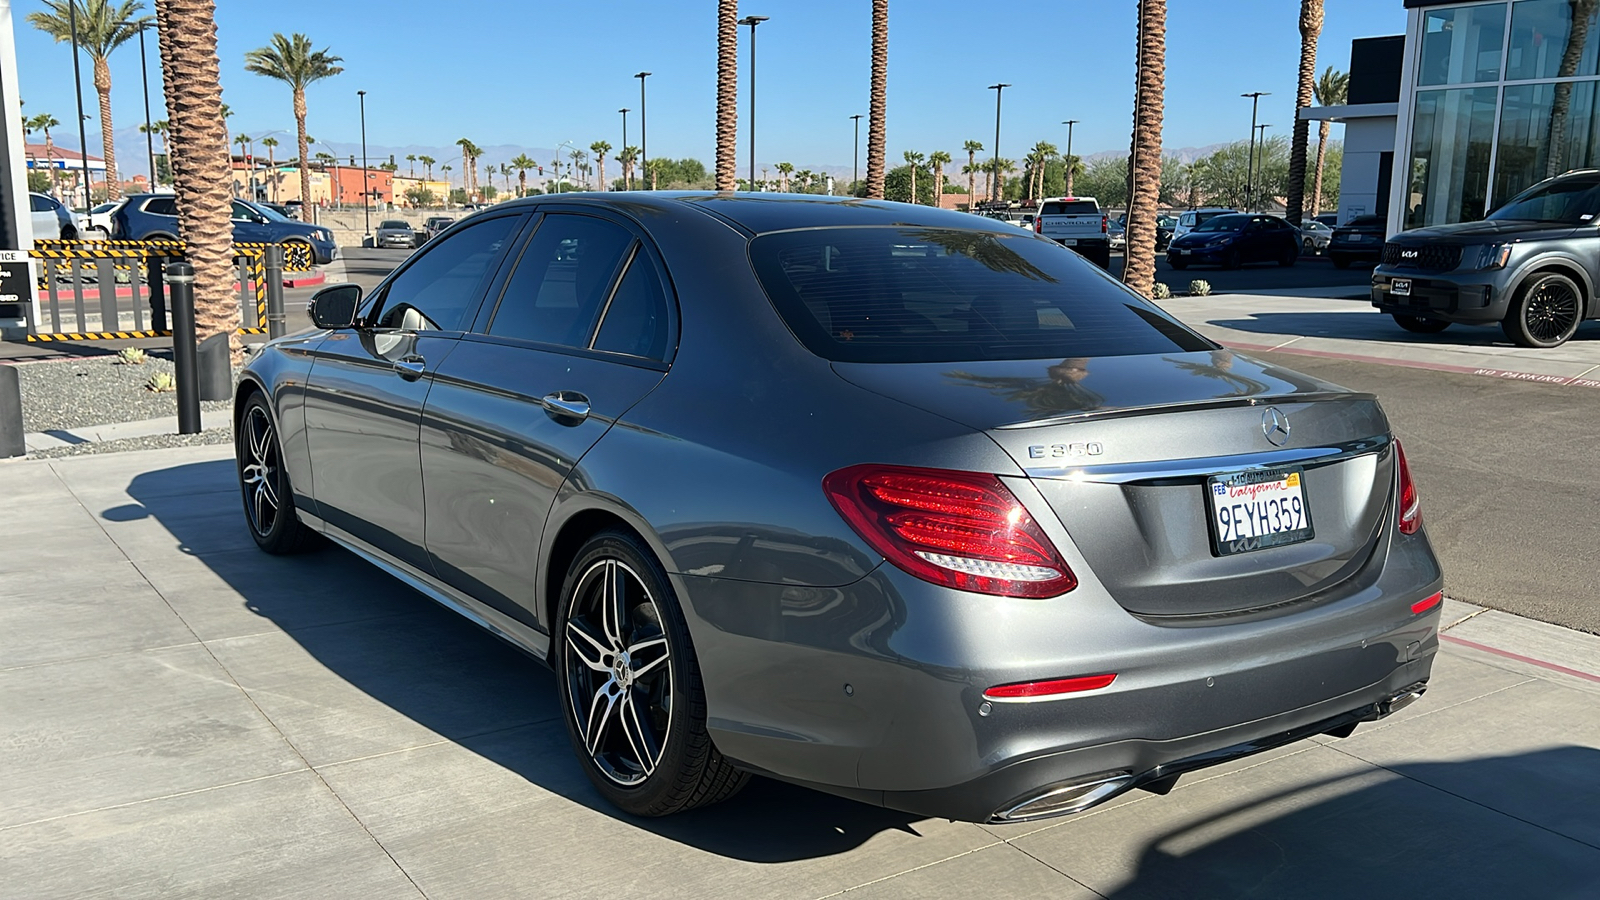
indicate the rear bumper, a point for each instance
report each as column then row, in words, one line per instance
column 1468, row 297
column 1363, row 250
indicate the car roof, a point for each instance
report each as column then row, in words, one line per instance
column 767, row 212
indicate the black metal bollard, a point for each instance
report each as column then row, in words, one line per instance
column 272, row 270
column 158, row 294
column 12, row 442
column 216, row 368
column 180, row 280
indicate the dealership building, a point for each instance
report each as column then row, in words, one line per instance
column 1476, row 102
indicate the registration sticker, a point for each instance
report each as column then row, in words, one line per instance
column 1256, row 510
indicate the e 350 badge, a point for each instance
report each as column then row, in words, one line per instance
column 1065, row 451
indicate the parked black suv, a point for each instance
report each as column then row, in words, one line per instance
column 1532, row 266
column 1358, row 240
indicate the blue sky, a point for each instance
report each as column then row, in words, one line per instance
column 512, row 73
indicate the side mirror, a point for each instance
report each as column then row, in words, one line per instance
column 334, row 307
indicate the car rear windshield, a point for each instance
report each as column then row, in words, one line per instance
column 915, row 295
column 1571, row 201
column 394, row 224
column 1069, row 208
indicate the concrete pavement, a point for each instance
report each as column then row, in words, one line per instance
column 183, row 716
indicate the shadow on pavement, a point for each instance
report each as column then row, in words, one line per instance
column 449, row 676
column 1365, row 324
column 1397, row 838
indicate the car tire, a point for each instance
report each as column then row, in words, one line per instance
column 1420, row 325
column 1289, row 258
column 1340, row 262
column 159, row 236
column 1178, row 264
column 269, row 509
column 1308, row 246
column 310, row 251
column 1546, row 312
column 69, row 232
column 622, row 653
column 1232, row 260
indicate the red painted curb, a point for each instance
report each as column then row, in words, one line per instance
column 308, row 281
column 1587, row 676
column 1507, row 374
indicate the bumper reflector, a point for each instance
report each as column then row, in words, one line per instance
column 1039, row 690
column 1427, row 603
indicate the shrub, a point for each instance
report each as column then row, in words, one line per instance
column 161, row 383
column 1161, row 292
column 131, row 356
column 1199, row 288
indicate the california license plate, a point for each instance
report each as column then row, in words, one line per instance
column 1400, row 287
column 1259, row 509
column 1069, row 242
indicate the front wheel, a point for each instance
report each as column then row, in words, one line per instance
column 264, row 482
column 1419, row 325
column 1546, row 313
column 630, row 684
column 1179, row 264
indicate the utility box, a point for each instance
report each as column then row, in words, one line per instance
column 17, row 294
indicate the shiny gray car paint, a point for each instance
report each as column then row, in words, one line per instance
column 718, row 467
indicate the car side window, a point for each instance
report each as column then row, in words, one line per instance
column 562, row 280
column 439, row 290
column 635, row 321
column 242, row 213
column 161, row 206
column 39, row 204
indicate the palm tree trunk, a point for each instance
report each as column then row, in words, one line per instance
column 50, row 163
column 108, row 145
column 199, row 159
column 879, row 102
column 913, row 182
column 1139, row 269
column 1310, row 30
column 938, row 184
column 601, row 164
column 727, row 93
column 303, row 144
column 972, row 178
column 1322, row 151
column 1561, row 104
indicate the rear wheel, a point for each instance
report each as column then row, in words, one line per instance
column 1546, row 313
column 264, row 482
column 1419, row 325
column 1289, row 257
column 630, row 684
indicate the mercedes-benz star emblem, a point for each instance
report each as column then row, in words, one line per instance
column 1275, row 425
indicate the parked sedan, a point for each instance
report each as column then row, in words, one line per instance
column 1231, row 241
column 394, row 233
column 1358, row 240
column 892, row 501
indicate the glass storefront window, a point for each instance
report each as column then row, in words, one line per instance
column 1451, row 137
column 1461, row 45
column 1546, row 43
column 1545, row 130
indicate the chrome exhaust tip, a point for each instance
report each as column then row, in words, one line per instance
column 1401, row 699
column 1066, row 799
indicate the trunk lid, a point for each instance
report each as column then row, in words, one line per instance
column 1123, row 449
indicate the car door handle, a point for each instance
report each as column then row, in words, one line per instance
column 566, row 405
column 411, row 367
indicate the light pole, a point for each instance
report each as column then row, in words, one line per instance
column 1069, row 123
column 1261, row 144
column 644, row 141
column 624, row 147
column 366, row 205
column 994, row 182
column 1250, row 167
column 855, row 164
column 77, row 90
column 149, row 137
column 752, row 21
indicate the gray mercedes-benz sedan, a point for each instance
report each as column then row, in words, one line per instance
column 890, row 501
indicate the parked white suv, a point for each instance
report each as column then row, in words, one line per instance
column 1189, row 219
column 1079, row 223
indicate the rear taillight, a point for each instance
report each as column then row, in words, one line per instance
column 1038, row 225
column 963, row 530
column 1410, row 518
column 1105, row 224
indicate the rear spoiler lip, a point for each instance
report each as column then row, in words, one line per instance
column 1121, row 412
column 1187, row 469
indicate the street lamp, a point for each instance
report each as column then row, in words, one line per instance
column 1069, row 123
column 366, row 205
column 1261, row 144
column 1250, row 171
column 77, row 90
column 752, row 21
column 855, row 164
column 624, row 147
column 149, row 136
column 644, row 144
column 994, row 181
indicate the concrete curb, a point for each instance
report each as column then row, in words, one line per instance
column 116, row 431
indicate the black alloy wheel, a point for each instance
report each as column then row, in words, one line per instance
column 1546, row 313
column 1420, row 325
column 264, row 483
column 630, row 684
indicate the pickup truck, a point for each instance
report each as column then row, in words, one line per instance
column 1076, row 222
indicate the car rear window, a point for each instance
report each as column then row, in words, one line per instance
column 1069, row 208
column 161, row 206
column 394, row 224
column 913, row 295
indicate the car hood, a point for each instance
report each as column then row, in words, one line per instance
column 1519, row 229
column 995, row 394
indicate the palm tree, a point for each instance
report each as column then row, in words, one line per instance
column 1144, row 164
column 1039, row 157
column 913, row 160
column 467, row 168
column 427, row 162
column 1310, row 30
column 271, row 143
column 600, row 148
column 522, row 162
column 412, row 159
column 1331, row 90
column 938, row 159
column 783, row 175
column 200, row 165
column 102, row 28
column 628, row 156
column 242, row 140
column 505, row 172
column 292, row 61
column 577, row 157
column 998, row 167
column 446, row 170
column 727, row 93
column 44, row 122
column 878, row 103
column 971, row 169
